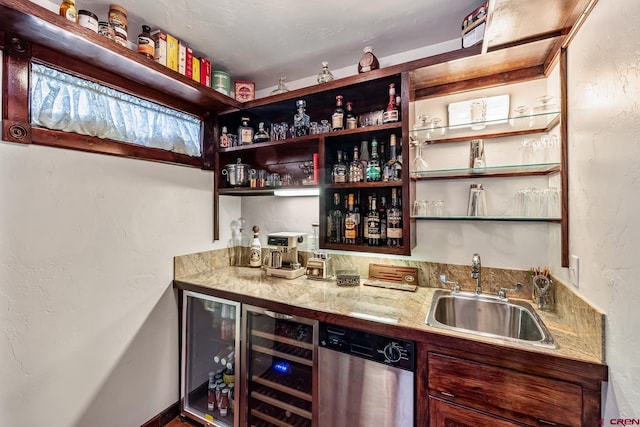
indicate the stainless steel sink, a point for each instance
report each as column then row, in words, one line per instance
column 489, row 316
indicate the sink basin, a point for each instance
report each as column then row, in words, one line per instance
column 489, row 316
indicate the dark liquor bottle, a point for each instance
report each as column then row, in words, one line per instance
column 301, row 119
column 390, row 114
column 365, row 221
column 351, row 223
column 261, row 135
column 393, row 168
column 335, row 221
column 337, row 118
column 368, row 62
column 245, row 132
column 340, row 172
column 356, row 171
column 394, row 221
column 357, row 208
column 382, row 210
column 373, row 223
column 351, row 122
column 373, row 167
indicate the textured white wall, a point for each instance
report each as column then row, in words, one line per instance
column 88, row 317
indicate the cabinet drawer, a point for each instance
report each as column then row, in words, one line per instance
column 505, row 392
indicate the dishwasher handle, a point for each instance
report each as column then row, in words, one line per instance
column 275, row 315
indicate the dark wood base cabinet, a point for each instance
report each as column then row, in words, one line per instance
column 445, row 414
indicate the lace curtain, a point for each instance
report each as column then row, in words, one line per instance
column 60, row 101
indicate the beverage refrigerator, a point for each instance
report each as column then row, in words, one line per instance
column 279, row 369
column 209, row 360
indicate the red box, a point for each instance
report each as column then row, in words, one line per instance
column 205, row 71
column 245, row 91
column 189, row 63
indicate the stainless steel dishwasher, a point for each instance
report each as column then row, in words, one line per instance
column 364, row 379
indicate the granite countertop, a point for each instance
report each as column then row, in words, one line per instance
column 401, row 308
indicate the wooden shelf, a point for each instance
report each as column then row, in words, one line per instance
column 356, row 185
column 289, row 141
column 488, row 172
column 51, row 33
column 487, row 218
column 366, row 248
column 266, row 191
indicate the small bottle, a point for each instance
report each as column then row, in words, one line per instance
column 368, row 62
column 224, row 403
column 382, row 210
column 351, row 121
column 224, row 138
column 373, row 222
column 255, row 257
column 261, row 135
column 393, row 167
column 325, row 75
column 68, row 10
column 340, row 171
column 351, row 222
column 373, row 167
column 356, row 171
column 211, row 393
column 394, row 221
column 390, row 114
column 146, row 45
column 337, row 118
column 335, row 221
column 245, row 132
column 301, row 119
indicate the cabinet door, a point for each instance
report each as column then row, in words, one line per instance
column 210, row 355
column 444, row 414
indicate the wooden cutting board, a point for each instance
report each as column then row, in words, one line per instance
column 393, row 277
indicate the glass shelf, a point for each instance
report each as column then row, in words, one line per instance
column 531, row 123
column 488, row 218
column 489, row 172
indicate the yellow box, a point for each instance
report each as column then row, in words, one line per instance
column 172, row 52
column 195, row 69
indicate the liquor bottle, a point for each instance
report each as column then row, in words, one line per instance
column 255, row 253
column 340, row 172
column 335, row 221
column 245, row 132
column 345, row 211
column 68, row 10
column 373, row 222
column 394, row 221
column 368, row 62
column 390, row 114
column 364, row 157
column 146, row 45
column 301, row 119
column 358, row 211
column 351, row 121
column 373, row 167
column 224, row 138
column 337, row 118
column 356, row 172
column 382, row 210
column 393, row 168
column 365, row 221
column 211, row 393
column 351, row 223
column 325, row 75
column 261, row 135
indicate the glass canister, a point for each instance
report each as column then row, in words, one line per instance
column 119, row 23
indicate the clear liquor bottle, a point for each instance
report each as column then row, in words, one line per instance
column 382, row 211
column 337, row 118
column 373, row 222
column 364, row 157
column 335, row 220
column 393, row 167
column 373, row 167
column 245, row 132
column 356, row 171
column 325, row 75
column 351, row 223
column 390, row 114
column 301, row 119
column 351, row 121
column 261, row 135
column 340, row 171
column 394, row 221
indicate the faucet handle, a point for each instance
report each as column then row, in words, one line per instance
column 456, row 286
column 503, row 291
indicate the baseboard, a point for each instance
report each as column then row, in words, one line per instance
column 164, row 417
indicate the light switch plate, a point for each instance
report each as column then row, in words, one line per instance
column 574, row 270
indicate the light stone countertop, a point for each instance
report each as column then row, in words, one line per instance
column 401, row 308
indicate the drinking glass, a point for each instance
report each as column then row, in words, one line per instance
column 437, row 208
column 419, row 163
column 527, row 151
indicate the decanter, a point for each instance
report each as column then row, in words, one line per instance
column 301, row 119
column 325, row 75
column 281, row 86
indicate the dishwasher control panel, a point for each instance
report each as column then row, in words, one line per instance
column 383, row 349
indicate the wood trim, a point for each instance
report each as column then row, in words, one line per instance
column 564, row 157
column 16, row 124
column 164, row 417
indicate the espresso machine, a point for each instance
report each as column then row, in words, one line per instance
column 283, row 255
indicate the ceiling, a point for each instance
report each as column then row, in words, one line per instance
column 256, row 39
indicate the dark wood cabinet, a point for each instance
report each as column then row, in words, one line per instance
column 446, row 414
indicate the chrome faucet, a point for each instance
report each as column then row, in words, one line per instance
column 475, row 272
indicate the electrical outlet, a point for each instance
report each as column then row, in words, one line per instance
column 574, row 270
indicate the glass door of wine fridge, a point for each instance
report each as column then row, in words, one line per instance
column 210, row 355
column 279, row 368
